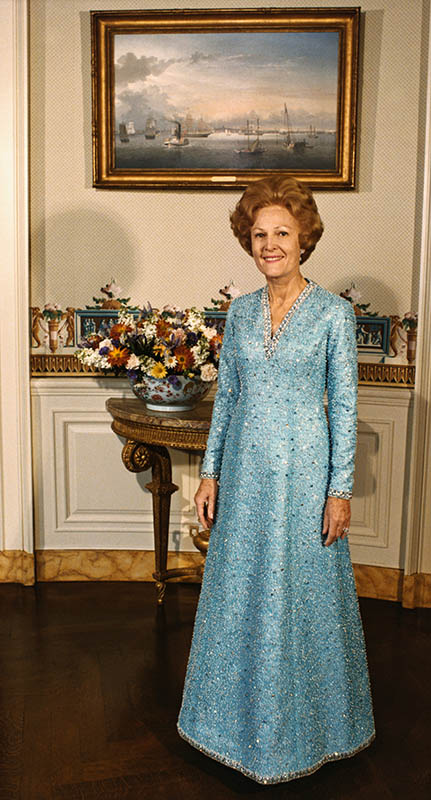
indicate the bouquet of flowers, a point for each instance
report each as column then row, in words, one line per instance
column 159, row 344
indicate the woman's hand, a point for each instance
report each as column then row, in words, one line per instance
column 336, row 517
column 205, row 500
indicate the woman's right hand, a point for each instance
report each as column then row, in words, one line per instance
column 205, row 500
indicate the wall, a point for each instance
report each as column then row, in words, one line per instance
column 151, row 242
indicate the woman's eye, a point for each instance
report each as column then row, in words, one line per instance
column 284, row 233
column 258, row 235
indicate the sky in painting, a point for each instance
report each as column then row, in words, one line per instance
column 227, row 78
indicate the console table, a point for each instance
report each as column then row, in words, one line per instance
column 148, row 435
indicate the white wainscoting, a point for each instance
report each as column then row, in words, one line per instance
column 379, row 493
column 85, row 498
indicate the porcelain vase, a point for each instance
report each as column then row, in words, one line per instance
column 173, row 393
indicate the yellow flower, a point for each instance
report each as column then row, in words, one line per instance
column 158, row 371
column 159, row 348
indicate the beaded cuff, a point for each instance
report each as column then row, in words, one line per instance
column 339, row 493
column 214, row 475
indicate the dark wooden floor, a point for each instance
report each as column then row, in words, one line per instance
column 91, row 677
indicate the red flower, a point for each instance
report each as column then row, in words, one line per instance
column 163, row 329
column 118, row 329
column 118, row 356
column 184, row 358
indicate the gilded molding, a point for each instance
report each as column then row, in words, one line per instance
column 66, row 365
column 386, row 374
column 168, row 437
column 60, row 365
column 136, row 457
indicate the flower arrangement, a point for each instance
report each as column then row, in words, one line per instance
column 353, row 295
column 228, row 292
column 410, row 321
column 112, row 299
column 170, row 343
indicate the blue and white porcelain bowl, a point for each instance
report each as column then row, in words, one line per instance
column 173, row 393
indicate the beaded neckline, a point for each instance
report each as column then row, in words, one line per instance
column 270, row 342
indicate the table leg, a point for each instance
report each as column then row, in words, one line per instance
column 138, row 457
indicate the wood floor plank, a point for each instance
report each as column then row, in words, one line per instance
column 91, row 678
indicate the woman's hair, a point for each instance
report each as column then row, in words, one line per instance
column 278, row 190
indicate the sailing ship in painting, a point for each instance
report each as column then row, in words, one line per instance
column 288, row 143
column 254, row 148
column 150, row 128
column 196, row 130
column 123, row 132
column 130, row 128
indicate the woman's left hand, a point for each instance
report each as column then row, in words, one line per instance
column 336, row 517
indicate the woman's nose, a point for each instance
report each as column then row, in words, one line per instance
column 270, row 243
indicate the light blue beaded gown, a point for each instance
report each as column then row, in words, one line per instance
column 277, row 681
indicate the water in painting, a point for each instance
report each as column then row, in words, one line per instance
column 226, row 101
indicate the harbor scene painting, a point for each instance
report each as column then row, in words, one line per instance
column 226, row 101
column 223, row 97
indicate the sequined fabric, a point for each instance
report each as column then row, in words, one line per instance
column 277, row 681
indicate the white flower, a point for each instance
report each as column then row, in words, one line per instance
column 125, row 318
column 233, row 291
column 149, row 330
column 354, row 293
column 51, row 307
column 133, row 362
column 194, row 320
column 106, row 343
column 147, row 364
column 112, row 288
column 200, row 354
column 170, row 361
column 208, row 372
column 209, row 333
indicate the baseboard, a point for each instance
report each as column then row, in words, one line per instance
column 16, row 566
column 106, row 565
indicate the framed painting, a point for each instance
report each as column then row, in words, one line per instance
column 207, row 98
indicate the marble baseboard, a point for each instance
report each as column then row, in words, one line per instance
column 17, row 566
column 106, row 565
column 382, row 583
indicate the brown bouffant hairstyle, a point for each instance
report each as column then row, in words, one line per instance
column 278, row 190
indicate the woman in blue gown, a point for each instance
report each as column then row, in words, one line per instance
column 277, row 681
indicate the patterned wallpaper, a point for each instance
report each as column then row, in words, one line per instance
column 174, row 246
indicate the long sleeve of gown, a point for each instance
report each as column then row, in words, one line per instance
column 228, row 388
column 342, row 391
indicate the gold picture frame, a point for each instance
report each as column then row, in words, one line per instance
column 220, row 98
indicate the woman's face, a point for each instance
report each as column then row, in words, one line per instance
column 275, row 242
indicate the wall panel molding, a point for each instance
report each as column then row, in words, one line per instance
column 15, row 461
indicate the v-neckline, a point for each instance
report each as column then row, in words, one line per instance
column 271, row 341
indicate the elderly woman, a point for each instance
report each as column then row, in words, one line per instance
column 277, row 681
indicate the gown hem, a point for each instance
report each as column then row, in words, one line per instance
column 283, row 778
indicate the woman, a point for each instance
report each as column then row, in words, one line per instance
column 277, row 681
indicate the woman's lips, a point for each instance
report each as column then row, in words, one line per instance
column 272, row 258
